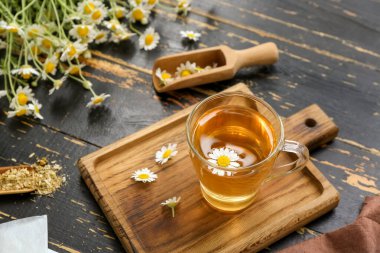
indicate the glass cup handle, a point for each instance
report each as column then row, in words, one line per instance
column 302, row 153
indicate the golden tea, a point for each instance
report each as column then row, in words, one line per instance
column 234, row 141
column 232, row 137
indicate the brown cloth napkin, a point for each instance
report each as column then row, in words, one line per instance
column 361, row 236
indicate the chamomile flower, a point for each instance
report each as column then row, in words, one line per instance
column 97, row 100
column 183, row 7
column 171, row 203
column 101, row 36
column 144, row 175
column 84, row 33
column 224, row 157
column 120, row 35
column 186, row 69
column 88, row 6
column 35, row 107
column 19, row 111
column 112, row 25
column 73, row 50
column 57, row 84
column 190, row 35
column 34, row 31
column 149, row 39
column 34, row 50
column 164, row 76
column 151, row 3
column 25, row 71
column 15, row 28
column 135, row 2
column 3, row 26
column 119, row 12
column 74, row 69
column 45, row 43
column 139, row 14
column 166, row 153
column 97, row 16
column 49, row 67
column 22, row 97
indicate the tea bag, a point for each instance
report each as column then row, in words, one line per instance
column 25, row 235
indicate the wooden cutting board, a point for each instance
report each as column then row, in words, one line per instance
column 142, row 225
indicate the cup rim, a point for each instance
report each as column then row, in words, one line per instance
column 279, row 143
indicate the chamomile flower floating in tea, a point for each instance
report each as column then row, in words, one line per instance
column 149, row 39
column 97, row 100
column 166, row 153
column 171, row 203
column 224, row 157
column 190, row 35
column 144, row 175
column 164, row 76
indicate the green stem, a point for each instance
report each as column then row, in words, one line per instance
column 134, row 29
column 24, row 9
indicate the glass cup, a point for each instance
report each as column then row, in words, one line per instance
column 231, row 189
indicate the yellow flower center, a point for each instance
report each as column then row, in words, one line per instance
column 74, row 70
column 96, row 15
column 185, row 72
column 72, row 52
column 21, row 112
column 138, row 2
column 26, row 76
column 13, row 29
column 191, row 36
column 138, row 14
column 223, row 161
column 165, row 75
column 181, row 4
column 33, row 32
column 36, row 109
column 97, row 100
column 88, row 8
column 46, row 43
column 199, row 68
column 149, row 39
column 83, row 31
column 167, row 153
column 22, row 98
column 49, row 67
column 99, row 36
column 119, row 13
column 35, row 50
column 151, row 2
column 143, row 176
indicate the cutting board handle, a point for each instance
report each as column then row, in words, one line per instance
column 264, row 54
column 311, row 127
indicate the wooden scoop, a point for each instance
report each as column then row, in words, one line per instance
column 4, row 169
column 228, row 62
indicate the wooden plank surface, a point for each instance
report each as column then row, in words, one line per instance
column 328, row 55
column 133, row 209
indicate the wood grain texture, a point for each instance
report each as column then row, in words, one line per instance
column 134, row 211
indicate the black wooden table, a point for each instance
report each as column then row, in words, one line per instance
column 329, row 55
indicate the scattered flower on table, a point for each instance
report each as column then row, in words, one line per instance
column 149, row 39
column 171, row 203
column 57, row 84
column 166, row 153
column 144, row 175
column 223, row 157
column 72, row 51
column 74, row 69
column 97, row 100
column 164, row 76
column 26, row 72
column 151, row 3
column 84, row 33
column 183, row 7
column 101, row 36
column 190, row 35
column 139, row 14
column 35, row 107
column 22, row 97
column 19, row 110
column 119, row 12
column 49, row 67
